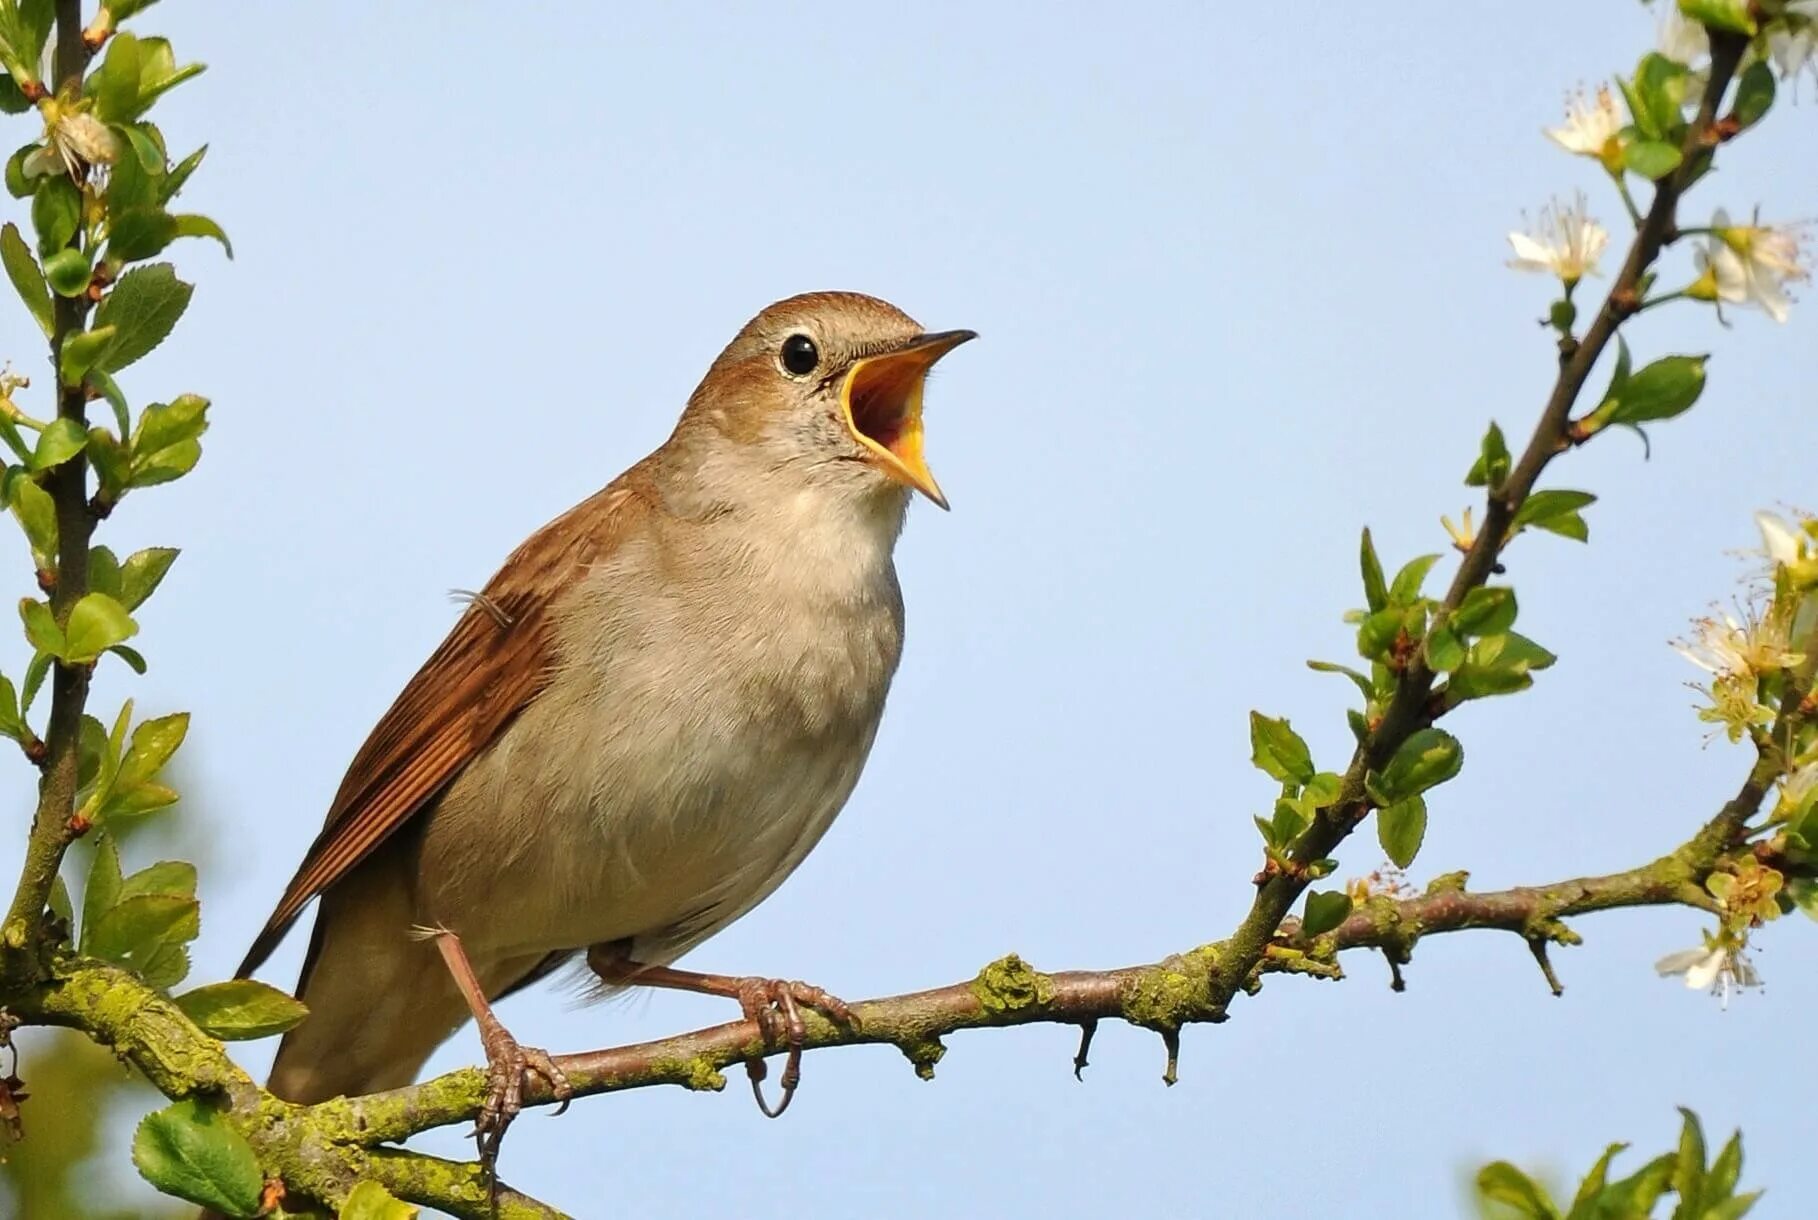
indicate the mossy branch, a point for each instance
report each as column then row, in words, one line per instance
column 321, row 1151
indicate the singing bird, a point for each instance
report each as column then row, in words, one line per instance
column 640, row 726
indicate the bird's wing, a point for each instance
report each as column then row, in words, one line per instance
column 494, row 662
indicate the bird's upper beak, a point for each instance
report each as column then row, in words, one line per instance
column 882, row 401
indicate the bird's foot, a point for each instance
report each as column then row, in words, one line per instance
column 508, row 1065
column 775, row 1006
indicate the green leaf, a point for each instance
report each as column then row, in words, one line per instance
column 241, row 1009
column 154, row 742
column 28, row 280
column 116, row 82
column 12, row 723
column 37, row 516
column 189, row 1150
column 147, row 146
column 1664, row 389
column 34, row 677
column 102, row 890
column 1656, row 97
column 1279, row 750
column 56, row 214
column 1732, row 15
column 1406, row 585
column 167, row 878
column 41, row 631
column 1330, row 667
column 1444, row 648
column 58, row 901
column 1428, row 757
column 68, row 273
column 112, row 463
column 79, row 354
column 1754, row 95
column 58, row 443
column 96, row 623
column 147, row 933
column 1401, row 828
column 164, row 444
column 192, row 225
column 1487, row 610
column 1725, row 1170
column 1652, row 159
column 1688, row 1168
column 370, row 1201
column 1493, row 461
column 179, row 174
column 139, row 233
column 1636, row 1194
column 143, row 572
column 12, row 98
column 159, row 73
column 1585, row 1204
column 1502, row 1183
column 143, row 307
column 1555, row 511
column 1732, row 1209
column 1376, row 591
column 1377, row 634
column 17, row 184
column 140, row 799
column 1326, row 909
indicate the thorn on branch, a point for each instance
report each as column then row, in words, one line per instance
column 1537, row 945
column 924, row 1054
column 1086, row 1032
column 1171, row 1041
column 1396, row 982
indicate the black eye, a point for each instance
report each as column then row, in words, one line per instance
column 800, row 355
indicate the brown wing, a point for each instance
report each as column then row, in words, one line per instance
column 493, row 663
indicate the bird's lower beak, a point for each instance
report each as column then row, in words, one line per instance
column 882, row 400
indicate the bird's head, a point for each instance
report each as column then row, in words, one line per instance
column 827, row 388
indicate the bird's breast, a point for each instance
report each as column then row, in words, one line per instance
column 705, row 724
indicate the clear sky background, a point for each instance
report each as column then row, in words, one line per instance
column 1238, row 273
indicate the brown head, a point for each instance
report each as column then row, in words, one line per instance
column 827, row 385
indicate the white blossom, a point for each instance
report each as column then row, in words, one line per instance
column 1564, row 241
column 1716, row 967
column 1731, row 649
column 1591, row 125
column 1752, row 264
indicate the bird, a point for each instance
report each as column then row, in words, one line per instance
column 636, row 730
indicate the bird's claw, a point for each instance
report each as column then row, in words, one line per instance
column 508, row 1065
column 775, row 1006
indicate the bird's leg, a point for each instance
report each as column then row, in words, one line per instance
column 774, row 1005
column 507, row 1063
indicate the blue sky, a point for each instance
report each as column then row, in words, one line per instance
column 1239, row 280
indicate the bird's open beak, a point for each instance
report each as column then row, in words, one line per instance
column 882, row 401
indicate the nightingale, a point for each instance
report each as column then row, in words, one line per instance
column 639, row 728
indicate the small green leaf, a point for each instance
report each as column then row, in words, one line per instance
column 1401, row 828
column 189, row 1150
column 1636, row 1194
column 112, row 463
column 179, row 174
column 58, row 901
column 1502, row 1183
column 68, row 272
column 1377, row 634
column 37, row 516
column 1330, row 667
column 102, row 890
column 96, row 623
column 138, row 233
column 1326, row 909
column 135, row 660
column 370, row 1201
column 1754, row 95
column 1493, row 461
column 1406, row 585
column 1376, row 590
column 12, row 98
column 167, row 878
column 1656, row 97
column 1556, row 511
column 241, row 1009
column 1688, row 1168
column 191, row 225
column 58, row 443
column 1278, row 749
column 17, row 184
column 147, row 934
column 1652, row 159
column 1732, row 15
column 159, row 72
column 1428, row 757
column 41, row 631
column 35, row 672
column 1445, row 648
column 1585, row 1204
column 1664, row 389
column 116, row 82
column 164, row 444
column 1487, row 610
column 143, row 307
column 12, row 723
column 154, row 741
column 80, row 352
column 28, row 280
column 1725, row 1170
column 143, row 572
column 56, row 214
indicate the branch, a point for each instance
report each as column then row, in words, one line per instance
column 52, row 828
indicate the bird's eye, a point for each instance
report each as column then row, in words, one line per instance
column 800, row 355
